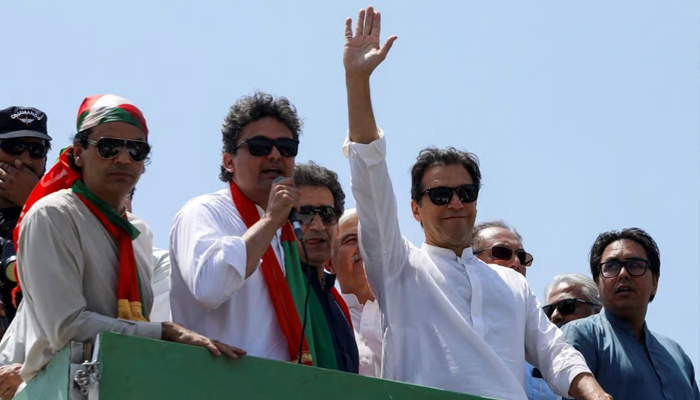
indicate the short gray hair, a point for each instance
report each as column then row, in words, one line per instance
column 347, row 215
column 588, row 287
column 499, row 223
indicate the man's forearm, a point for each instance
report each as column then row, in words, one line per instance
column 585, row 387
column 361, row 122
column 257, row 239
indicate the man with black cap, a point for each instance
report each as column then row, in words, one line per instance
column 24, row 142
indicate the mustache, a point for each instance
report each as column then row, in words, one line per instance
column 356, row 257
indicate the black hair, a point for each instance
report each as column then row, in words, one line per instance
column 312, row 174
column 250, row 109
column 432, row 156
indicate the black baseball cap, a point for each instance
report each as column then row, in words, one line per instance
column 18, row 122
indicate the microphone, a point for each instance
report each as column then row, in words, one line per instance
column 292, row 215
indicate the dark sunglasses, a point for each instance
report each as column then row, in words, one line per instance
column 307, row 214
column 565, row 307
column 442, row 195
column 635, row 267
column 504, row 253
column 18, row 146
column 260, row 146
column 109, row 148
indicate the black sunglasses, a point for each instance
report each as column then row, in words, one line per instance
column 442, row 195
column 504, row 253
column 108, row 147
column 565, row 307
column 634, row 267
column 260, row 146
column 16, row 147
column 307, row 214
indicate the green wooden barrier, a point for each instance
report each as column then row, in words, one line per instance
column 137, row 368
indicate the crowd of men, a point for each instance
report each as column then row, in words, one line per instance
column 254, row 265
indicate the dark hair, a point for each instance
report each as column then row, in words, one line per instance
column 431, row 156
column 80, row 139
column 312, row 174
column 634, row 234
column 249, row 109
column 478, row 228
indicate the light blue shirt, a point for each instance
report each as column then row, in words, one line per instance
column 537, row 388
column 628, row 369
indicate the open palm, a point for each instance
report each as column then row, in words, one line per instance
column 362, row 52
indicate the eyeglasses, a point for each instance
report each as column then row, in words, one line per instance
column 565, row 307
column 260, row 146
column 18, row 146
column 634, row 267
column 442, row 195
column 504, row 253
column 108, row 147
column 307, row 214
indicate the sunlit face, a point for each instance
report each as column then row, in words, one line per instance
column 111, row 179
column 318, row 238
column 448, row 226
column 347, row 262
column 625, row 295
column 497, row 236
column 563, row 291
column 254, row 174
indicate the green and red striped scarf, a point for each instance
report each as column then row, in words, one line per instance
column 289, row 293
column 94, row 111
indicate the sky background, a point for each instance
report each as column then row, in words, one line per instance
column 585, row 115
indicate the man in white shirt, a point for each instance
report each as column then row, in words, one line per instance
column 496, row 242
column 450, row 320
column 364, row 310
column 235, row 269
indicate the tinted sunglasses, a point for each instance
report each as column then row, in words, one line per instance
column 260, row 146
column 636, row 267
column 18, row 146
column 108, row 147
column 565, row 307
column 442, row 195
column 504, row 253
column 307, row 214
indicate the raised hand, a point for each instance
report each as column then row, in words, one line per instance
column 362, row 53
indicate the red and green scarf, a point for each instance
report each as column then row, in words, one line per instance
column 289, row 293
column 63, row 176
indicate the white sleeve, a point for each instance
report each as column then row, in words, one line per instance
column 51, row 274
column 546, row 349
column 211, row 261
column 384, row 250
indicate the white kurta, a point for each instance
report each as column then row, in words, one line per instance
column 367, row 324
column 68, row 269
column 208, row 291
column 450, row 322
column 161, row 286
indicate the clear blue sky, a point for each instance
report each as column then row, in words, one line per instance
column 585, row 115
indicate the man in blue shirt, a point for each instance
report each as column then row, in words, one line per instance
column 628, row 360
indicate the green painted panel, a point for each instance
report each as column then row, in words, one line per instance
column 52, row 382
column 137, row 368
